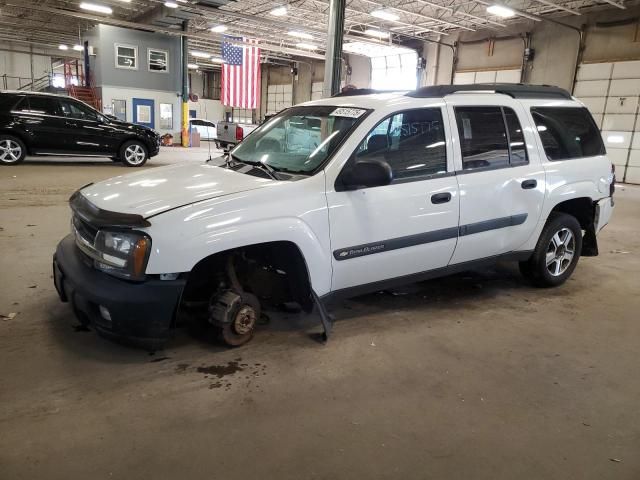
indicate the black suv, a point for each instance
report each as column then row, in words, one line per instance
column 47, row 124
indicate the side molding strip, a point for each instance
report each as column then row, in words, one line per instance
column 428, row 237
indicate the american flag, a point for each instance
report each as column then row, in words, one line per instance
column 240, row 74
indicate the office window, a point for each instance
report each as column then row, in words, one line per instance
column 126, row 56
column 567, row 132
column 411, row 142
column 166, row 116
column 483, row 138
column 158, row 60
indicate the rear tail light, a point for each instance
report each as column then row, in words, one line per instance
column 239, row 133
column 612, row 187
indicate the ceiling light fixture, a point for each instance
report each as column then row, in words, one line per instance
column 171, row 4
column 279, row 12
column 376, row 33
column 63, row 47
column 306, row 46
column 304, row 35
column 385, row 15
column 219, row 29
column 78, row 48
column 192, row 66
column 200, row 55
column 92, row 7
column 500, row 11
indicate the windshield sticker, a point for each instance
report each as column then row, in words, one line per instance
column 347, row 112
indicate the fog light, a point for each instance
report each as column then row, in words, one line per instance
column 169, row 276
column 104, row 312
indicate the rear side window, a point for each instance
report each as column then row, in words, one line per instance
column 8, row 102
column 44, row 105
column 567, row 132
column 412, row 142
column 490, row 137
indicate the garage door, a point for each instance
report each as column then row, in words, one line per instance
column 279, row 97
column 611, row 91
column 510, row 75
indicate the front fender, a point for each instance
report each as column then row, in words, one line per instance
column 183, row 237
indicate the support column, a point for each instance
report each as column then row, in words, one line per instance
column 185, row 86
column 333, row 54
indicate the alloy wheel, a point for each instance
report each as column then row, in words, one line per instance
column 10, row 151
column 134, row 154
column 560, row 252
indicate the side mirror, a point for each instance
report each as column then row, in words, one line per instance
column 366, row 174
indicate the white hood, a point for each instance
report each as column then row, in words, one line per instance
column 156, row 190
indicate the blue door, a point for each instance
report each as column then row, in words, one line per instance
column 192, row 114
column 144, row 112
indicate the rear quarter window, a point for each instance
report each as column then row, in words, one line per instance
column 567, row 132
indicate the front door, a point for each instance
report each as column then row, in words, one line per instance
column 87, row 133
column 406, row 227
column 144, row 112
column 501, row 181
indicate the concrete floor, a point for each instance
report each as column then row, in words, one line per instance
column 477, row 376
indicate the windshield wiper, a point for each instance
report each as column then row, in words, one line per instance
column 262, row 166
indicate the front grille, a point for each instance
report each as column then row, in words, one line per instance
column 87, row 231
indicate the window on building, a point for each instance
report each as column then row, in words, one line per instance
column 411, row 142
column 74, row 109
column 166, row 116
column 126, row 56
column 483, row 138
column 158, row 60
column 395, row 72
column 242, row 115
column 567, row 132
column 44, row 105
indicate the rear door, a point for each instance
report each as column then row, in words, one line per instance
column 409, row 226
column 501, row 180
column 40, row 118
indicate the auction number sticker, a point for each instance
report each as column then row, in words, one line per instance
column 348, row 112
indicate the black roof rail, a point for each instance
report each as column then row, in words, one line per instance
column 515, row 90
column 364, row 91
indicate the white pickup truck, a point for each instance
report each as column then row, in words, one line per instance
column 229, row 134
column 338, row 197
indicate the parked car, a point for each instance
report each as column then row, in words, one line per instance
column 389, row 189
column 229, row 134
column 47, row 124
column 205, row 128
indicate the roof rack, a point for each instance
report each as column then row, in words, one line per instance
column 364, row 91
column 515, row 90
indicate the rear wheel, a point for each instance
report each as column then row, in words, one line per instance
column 133, row 154
column 557, row 252
column 12, row 150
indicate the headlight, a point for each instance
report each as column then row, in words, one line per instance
column 123, row 254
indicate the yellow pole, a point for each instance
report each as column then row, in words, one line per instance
column 185, row 124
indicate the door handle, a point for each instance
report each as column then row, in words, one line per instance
column 529, row 184
column 440, row 198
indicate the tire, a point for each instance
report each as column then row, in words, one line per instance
column 557, row 252
column 12, row 150
column 133, row 154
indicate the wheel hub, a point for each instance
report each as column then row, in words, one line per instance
column 560, row 252
column 245, row 320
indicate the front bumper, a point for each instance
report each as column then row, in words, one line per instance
column 140, row 313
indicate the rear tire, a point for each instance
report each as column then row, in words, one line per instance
column 557, row 252
column 133, row 154
column 12, row 150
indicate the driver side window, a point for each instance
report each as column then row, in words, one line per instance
column 412, row 142
column 77, row 110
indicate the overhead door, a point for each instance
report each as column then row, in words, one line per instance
column 611, row 91
column 466, row 77
column 279, row 97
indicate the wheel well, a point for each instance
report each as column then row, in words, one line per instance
column 581, row 208
column 273, row 271
column 17, row 135
column 129, row 139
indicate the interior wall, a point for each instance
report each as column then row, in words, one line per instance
column 360, row 71
column 556, row 48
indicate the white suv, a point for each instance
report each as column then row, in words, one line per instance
column 338, row 197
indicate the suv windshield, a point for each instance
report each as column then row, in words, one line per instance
column 299, row 139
